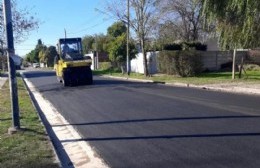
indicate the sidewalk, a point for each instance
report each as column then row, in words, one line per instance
column 251, row 89
column 240, row 88
column 3, row 79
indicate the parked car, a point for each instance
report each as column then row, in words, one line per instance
column 36, row 65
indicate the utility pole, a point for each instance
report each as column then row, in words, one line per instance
column 96, row 54
column 127, row 41
column 234, row 63
column 11, row 68
column 65, row 33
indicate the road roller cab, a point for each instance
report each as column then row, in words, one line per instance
column 71, row 67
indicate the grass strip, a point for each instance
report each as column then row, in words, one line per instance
column 251, row 77
column 29, row 147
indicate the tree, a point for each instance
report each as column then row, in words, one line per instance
column 42, row 55
column 184, row 17
column 88, row 43
column 100, row 44
column 117, row 44
column 94, row 43
column 143, row 20
column 50, row 54
column 237, row 23
column 117, row 29
column 23, row 22
column 33, row 56
column 39, row 47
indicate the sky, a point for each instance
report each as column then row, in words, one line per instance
column 78, row 17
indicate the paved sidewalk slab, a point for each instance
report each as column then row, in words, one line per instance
column 2, row 81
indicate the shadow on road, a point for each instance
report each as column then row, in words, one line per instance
column 243, row 134
column 98, row 83
column 165, row 137
column 158, row 119
column 39, row 74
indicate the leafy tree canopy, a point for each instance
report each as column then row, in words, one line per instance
column 23, row 22
column 117, row 49
column 87, row 43
column 34, row 55
column 237, row 21
column 117, row 45
column 117, row 29
column 50, row 54
column 94, row 43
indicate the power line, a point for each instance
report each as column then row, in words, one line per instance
column 91, row 27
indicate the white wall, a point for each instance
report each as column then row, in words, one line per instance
column 92, row 58
column 138, row 66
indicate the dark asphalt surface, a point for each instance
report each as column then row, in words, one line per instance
column 134, row 125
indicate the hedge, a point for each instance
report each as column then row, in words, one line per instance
column 182, row 63
column 186, row 46
column 104, row 65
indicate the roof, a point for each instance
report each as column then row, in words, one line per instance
column 63, row 40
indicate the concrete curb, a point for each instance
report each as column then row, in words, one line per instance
column 234, row 89
column 128, row 79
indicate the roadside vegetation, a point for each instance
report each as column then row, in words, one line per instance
column 29, row 147
column 251, row 77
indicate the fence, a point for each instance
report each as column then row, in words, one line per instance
column 211, row 60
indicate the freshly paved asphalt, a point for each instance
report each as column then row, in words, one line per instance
column 133, row 124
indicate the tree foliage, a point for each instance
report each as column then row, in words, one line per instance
column 39, row 47
column 34, row 55
column 96, row 42
column 31, row 56
column 117, row 49
column 50, row 54
column 117, row 44
column 143, row 19
column 42, row 55
column 182, row 18
column 237, row 21
column 23, row 22
column 117, row 29
column 88, row 43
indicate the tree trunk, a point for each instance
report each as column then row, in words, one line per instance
column 144, row 58
column 241, row 67
column 234, row 63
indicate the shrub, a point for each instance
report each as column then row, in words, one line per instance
column 186, row 46
column 172, row 47
column 254, row 56
column 104, row 65
column 252, row 67
column 183, row 63
column 195, row 46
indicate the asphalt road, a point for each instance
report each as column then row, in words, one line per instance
column 133, row 124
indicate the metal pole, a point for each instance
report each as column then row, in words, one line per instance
column 65, row 33
column 127, row 46
column 11, row 67
column 234, row 64
column 96, row 56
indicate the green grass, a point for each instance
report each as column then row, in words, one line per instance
column 204, row 78
column 30, row 146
